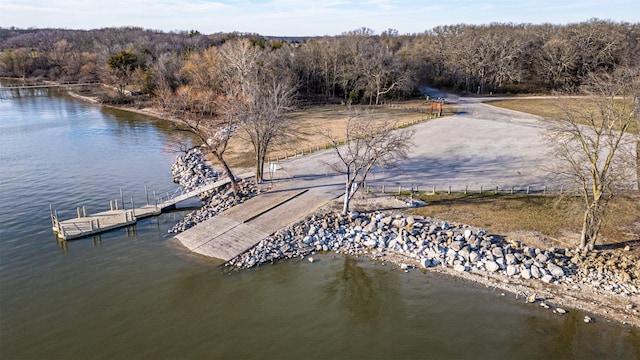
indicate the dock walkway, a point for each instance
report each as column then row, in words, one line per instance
column 92, row 224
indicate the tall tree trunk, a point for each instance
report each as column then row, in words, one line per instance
column 258, row 172
column 347, row 198
column 593, row 217
column 638, row 159
column 348, row 183
column 228, row 172
column 583, row 234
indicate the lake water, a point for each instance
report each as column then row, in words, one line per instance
column 135, row 293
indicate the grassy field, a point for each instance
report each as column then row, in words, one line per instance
column 554, row 107
column 556, row 217
column 309, row 127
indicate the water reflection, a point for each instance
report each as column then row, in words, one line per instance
column 545, row 334
column 358, row 291
column 23, row 93
column 130, row 125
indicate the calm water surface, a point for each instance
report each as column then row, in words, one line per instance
column 137, row 294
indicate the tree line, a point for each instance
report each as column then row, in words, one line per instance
column 358, row 66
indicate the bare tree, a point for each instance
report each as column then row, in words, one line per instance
column 380, row 70
column 240, row 61
column 193, row 108
column 201, row 107
column 594, row 143
column 369, row 142
column 166, row 72
column 260, row 94
column 264, row 113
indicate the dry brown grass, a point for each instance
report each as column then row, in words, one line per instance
column 557, row 217
column 554, row 108
column 309, row 127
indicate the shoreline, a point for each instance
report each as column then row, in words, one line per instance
column 559, row 293
column 143, row 111
column 600, row 303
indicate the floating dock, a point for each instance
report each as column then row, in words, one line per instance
column 97, row 223
column 118, row 216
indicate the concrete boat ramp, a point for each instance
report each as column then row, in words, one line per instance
column 241, row 227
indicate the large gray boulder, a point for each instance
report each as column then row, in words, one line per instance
column 492, row 266
column 555, row 270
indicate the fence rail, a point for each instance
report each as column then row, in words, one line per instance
column 277, row 156
column 400, row 189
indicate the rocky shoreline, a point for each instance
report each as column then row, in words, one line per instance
column 191, row 171
column 433, row 243
column 602, row 283
column 458, row 249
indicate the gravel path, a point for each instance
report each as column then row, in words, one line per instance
column 481, row 145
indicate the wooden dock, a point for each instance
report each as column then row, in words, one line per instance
column 104, row 221
column 118, row 216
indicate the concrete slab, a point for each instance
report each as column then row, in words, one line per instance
column 206, row 231
column 288, row 213
column 231, row 243
column 259, row 203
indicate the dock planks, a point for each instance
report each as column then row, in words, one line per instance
column 101, row 222
column 97, row 223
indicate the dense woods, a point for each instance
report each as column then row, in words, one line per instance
column 355, row 67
